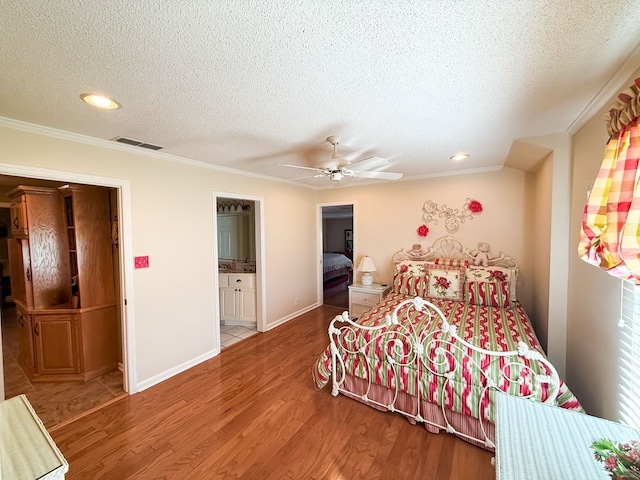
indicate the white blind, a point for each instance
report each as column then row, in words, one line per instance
column 630, row 355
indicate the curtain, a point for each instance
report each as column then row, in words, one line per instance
column 610, row 231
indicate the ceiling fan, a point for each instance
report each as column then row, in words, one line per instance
column 338, row 168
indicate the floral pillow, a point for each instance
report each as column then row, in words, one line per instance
column 411, row 268
column 413, row 285
column 494, row 274
column 445, row 282
column 487, row 294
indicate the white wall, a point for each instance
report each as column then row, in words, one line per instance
column 174, row 301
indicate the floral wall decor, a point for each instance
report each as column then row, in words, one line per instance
column 453, row 217
column 423, row 230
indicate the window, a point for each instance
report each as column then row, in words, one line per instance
column 630, row 354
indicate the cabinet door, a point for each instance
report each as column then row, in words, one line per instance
column 25, row 355
column 228, row 304
column 18, row 212
column 16, row 269
column 56, row 344
column 247, row 305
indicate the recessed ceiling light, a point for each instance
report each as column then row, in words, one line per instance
column 460, row 156
column 99, row 101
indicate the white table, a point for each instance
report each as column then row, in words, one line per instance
column 539, row 441
column 27, row 451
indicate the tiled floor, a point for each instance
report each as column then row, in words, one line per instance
column 230, row 334
column 55, row 402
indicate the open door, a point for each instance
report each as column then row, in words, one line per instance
column 337, row 253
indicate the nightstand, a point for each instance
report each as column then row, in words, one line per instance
column 363, row 297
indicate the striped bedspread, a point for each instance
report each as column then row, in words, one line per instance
column 388, row 359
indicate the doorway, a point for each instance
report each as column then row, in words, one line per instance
column 238, row 255
column 59, row 402
column 337, row 253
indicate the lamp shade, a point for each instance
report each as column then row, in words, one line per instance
column 366, row 265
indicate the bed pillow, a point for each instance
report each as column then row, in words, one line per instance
column 445, row 281
column 411, row 268
column 414, row 285
column 453, row 262
column 487, row 294
column 494, row 274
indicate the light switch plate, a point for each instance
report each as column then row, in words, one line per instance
column 141, row 262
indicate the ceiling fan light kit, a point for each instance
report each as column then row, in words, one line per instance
column 340, row 168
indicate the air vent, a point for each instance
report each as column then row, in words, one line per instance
column 136, row 143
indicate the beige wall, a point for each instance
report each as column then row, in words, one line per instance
column 594, row 296
column 548, row 240
column 540, row 232
column 174, row 299
column 387, row 215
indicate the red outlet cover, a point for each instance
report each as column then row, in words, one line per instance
column 141, row 262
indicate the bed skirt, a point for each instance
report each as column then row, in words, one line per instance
column 355, row 387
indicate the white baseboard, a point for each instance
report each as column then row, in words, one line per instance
column 150, row 382
column 291, row 316
column 212, row 353
column 240, row 323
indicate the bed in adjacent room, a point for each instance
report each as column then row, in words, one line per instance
column 336, row 272
column 443, row 341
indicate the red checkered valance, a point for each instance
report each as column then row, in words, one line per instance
column 610, row 233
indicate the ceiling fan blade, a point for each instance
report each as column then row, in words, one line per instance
column 319, row 170
column 317, row 175
column 378, row 175
column 368, row 164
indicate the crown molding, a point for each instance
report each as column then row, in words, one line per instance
column 617, row 83
column 99, row 142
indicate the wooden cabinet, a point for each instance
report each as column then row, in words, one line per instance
column 26, row 355
column 18, row 214
column 363, row 297
column 88, row 228
column 56, row 344
column 38, row 270
column 62, row 282
column 238, row 299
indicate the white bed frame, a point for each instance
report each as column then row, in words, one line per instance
column 418, row 345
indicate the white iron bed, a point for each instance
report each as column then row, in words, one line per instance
column 438, row 361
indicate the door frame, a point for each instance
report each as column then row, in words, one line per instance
column 319, row 249
column 261, row 306
column 125, row 282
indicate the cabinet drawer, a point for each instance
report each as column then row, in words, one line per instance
column 358, row 310
column 365, row 298
column 247, row 281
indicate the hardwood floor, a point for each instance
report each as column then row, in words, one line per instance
column 252, row 412
column 339, row 299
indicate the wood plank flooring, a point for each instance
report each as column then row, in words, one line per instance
column 252, row 412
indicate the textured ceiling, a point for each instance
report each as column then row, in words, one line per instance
column 250, row 84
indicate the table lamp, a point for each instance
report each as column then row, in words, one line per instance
column 366, row 267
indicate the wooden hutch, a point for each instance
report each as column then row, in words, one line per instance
column 62, row 281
